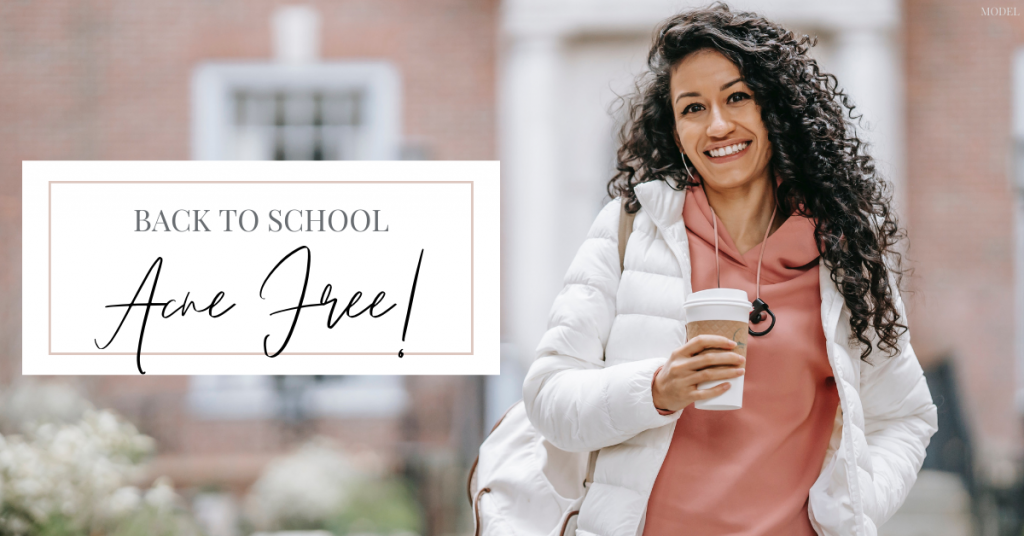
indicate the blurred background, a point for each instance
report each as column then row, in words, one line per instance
column 530, row 82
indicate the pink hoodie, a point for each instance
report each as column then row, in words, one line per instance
column 747, row 472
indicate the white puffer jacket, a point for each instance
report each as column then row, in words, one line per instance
column 635, row 317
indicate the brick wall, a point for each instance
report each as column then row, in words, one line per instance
column 110, row 80
column 961, row 212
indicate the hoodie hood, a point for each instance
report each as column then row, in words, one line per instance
column 789, row 251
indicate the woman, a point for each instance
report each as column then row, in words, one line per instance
column 742, row 173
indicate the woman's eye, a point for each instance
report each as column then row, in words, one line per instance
column 739, row 94
column 690, row 108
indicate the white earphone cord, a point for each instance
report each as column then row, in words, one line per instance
column 718, row 272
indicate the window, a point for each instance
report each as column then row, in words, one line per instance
column 317, row 111
column 297, row 125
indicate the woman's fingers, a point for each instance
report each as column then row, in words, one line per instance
column 713, row 374
column 716, row 358
column 677, row 383
column 703, row 342
column 712, row 359
column 704, row 394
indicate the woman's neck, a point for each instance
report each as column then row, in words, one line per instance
column 745, row 212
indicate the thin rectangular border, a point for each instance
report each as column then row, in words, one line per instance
column 472, row 270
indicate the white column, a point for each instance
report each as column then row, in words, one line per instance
column 1018, row 189
column 530, row 186
column 867, row 64
column 296, row 32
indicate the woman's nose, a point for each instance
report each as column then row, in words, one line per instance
column 721, row 124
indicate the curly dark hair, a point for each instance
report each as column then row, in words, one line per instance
column 826, row 173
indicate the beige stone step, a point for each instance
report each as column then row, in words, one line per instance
column 938, row 505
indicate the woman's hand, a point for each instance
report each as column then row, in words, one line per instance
column 675, row 386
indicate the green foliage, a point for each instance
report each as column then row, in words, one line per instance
column 380, row 507
column 152, row 521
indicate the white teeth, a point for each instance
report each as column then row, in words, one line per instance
column 726, row 151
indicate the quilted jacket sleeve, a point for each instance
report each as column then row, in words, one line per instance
column 571, row 397
column 900, row 419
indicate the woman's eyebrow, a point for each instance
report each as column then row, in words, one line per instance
column 695, row 94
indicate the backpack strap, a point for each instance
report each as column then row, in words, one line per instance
column 591, row 465
column 625, row 229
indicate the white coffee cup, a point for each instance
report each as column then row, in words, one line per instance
column 726, row 312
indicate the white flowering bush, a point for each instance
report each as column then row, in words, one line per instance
column 30, row 403
column 319, row 486
column 303, row 489
column 74, row 479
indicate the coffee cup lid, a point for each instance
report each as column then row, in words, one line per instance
column 731, row 296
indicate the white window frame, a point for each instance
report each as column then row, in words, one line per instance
column 214, row 84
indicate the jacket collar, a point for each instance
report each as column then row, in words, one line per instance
column 662, row 203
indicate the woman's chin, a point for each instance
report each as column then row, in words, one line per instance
column 721, row 182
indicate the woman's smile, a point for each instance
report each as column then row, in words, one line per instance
column 729, row 153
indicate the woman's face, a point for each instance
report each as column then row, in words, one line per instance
column 715, row 114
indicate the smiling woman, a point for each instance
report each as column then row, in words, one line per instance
column 737, row 169
column 717, row 78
